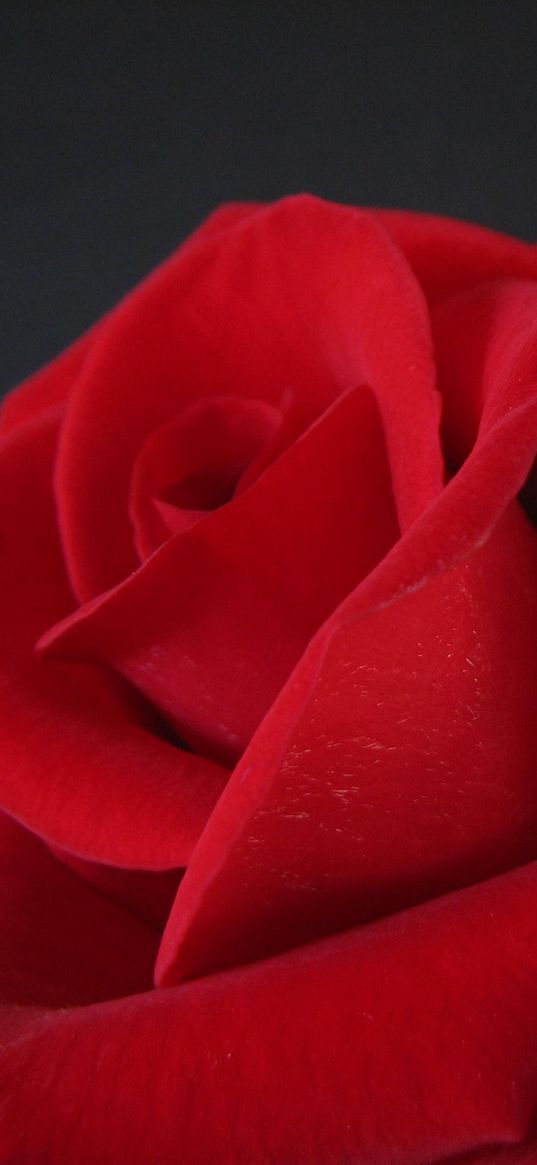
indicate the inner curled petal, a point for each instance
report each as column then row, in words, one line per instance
column 193, row 465
column 240, row 594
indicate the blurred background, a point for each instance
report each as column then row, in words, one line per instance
column 125, row 123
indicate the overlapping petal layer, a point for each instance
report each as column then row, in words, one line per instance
column 49, row 387
column 194, row 464
column 399, row 760
column 80, row 759
column 211, row 626
column 412, row 1041
column 63, row 943
column 448, row 255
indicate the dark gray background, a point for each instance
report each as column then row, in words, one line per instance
column 125, row 123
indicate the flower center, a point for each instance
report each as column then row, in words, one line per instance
column 195, row 463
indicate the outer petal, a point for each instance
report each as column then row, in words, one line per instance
column 80, row 760
column 54, row 383
column 448, row 255
column 49, row 387
column 301, row 295
column 408, row 1042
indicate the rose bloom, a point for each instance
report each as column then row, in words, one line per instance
column 268, row 740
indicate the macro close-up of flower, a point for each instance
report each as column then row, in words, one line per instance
column 267, row 731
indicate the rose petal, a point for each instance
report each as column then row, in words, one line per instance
column 226, row 216
column 410, row 770
column 301, row 295
column 49, row 387
column 149, row 894
column 63, row 944
column 448, row 255
column 402, row 1043
column 486, row 345
column 211, row 626
column 54, row 383
column 195, row 463
column 80, row 762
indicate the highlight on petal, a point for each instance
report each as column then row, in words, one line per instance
column 406, row 1042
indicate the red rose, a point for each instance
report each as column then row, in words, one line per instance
column 270, row 617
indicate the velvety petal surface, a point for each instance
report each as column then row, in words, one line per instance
column 409, row 1042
